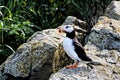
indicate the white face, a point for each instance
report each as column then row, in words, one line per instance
column 68, row 28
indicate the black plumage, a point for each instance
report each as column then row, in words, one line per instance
column 71, row 35
column 80, row 51
column 78, row 47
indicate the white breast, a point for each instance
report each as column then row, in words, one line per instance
column 70, row 49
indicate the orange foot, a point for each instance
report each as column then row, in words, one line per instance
column 72, row 66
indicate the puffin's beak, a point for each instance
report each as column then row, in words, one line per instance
column 60, row 29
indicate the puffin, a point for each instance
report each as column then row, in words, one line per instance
column 72, row 46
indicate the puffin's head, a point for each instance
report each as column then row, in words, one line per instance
column 66, row 28
column 70, row 28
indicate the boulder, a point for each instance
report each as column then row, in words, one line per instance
column 1, row 76
column 36, row 59
column 113, row 10
column 85, row 73
column 104, row 42
column 103, row 46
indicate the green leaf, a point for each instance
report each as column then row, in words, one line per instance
column 1, row 25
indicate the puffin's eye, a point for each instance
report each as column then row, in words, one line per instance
column 67, row 26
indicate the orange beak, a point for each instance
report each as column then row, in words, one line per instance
column 59, row 29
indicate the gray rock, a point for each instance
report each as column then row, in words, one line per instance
column 105, row 41
column 113, row 10
column 70, row 20
column 105, row 34
column 35, row 55
column 1, row 76
column 84, row 73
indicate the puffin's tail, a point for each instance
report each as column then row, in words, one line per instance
column 84, row 57
column 91, row 63
column 94, row 63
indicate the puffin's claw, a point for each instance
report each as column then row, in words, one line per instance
column 72, row 66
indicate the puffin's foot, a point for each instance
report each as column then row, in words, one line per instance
column 72, row 66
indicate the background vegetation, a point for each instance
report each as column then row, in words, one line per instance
column 19, row 19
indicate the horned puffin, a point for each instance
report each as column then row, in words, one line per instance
column 72, row 46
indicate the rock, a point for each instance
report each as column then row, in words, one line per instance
column 36, row 59
column 70, row 20
column 103, row 46
column 105, row 39
column 108, row 34
column 84, row 73
column 36, row 56
column 113, row 10
column 1, row 76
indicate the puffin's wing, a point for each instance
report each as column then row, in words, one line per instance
column 79, row 49
column 69, row 49
column 77, row 43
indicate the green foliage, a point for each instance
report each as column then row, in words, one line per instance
column 43, row 13
column 14, row 31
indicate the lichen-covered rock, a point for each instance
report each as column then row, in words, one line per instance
column 36, row 59
column 105, row 41
column 30, row 57
column 113, row 10
column 106, row 34
column 85, row 73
